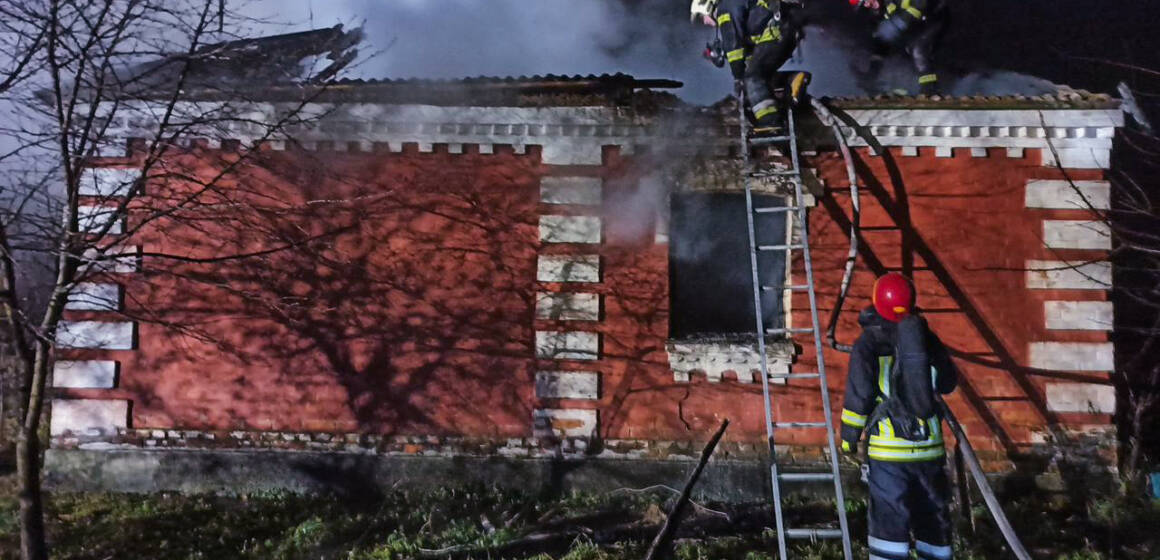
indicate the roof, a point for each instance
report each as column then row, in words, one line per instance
column 283, row 68
column 550, row 89
column 482, row 91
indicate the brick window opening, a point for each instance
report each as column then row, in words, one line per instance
column 709, row 268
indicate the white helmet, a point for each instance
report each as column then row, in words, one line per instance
column 701, row 9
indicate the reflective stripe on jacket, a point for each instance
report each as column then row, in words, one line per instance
column 868, row 385
column 884, row 445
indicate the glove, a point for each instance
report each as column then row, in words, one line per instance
column 850, row 447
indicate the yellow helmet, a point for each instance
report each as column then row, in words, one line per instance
column 702, row 8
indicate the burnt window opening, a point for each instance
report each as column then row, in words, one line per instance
column 709, row 269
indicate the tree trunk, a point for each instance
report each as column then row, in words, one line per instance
column 32, row 541
column 32, row 537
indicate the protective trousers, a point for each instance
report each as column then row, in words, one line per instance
column 920, row 38
column 770, row 51
column 906, row 496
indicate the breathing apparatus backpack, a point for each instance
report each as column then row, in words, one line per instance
column 911, row 401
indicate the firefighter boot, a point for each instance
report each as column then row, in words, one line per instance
column 769, row 119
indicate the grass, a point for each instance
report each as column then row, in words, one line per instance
column 485, row 522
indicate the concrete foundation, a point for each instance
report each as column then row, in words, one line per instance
column 143, row 471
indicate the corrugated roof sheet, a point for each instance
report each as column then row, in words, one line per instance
column 480, row 91
column 518, row 81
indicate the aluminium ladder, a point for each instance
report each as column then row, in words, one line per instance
column 795, row 207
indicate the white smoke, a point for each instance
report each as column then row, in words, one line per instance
column 649, row 39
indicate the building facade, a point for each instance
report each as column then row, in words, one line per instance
column 558, row 269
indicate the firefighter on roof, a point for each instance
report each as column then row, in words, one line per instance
column 757, row 36
column 911, row 25
column 896, row 366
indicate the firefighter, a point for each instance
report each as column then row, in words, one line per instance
column 915, row 26
column 758, row 37
column 896, row 366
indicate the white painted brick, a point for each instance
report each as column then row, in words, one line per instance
column 1015, row 153
column 569, row 345
column 1079, row 158
column 572, row 153
column 979, row 152
column 107, row 182
column 1076, row 234
column 1068, row 195
column 910, row 151
column 568, row 268
column 571, row 190
column 568, row 307
column 944, row 151
column 1060, row 275
column 118, row 260
column 486, row 149
column 94, row 219
column 1081, row 397
column 97, row 335
column 88, row 417
column 570, row 229
column 557, row 422
column 1073, row 356
column 87, row 374
column 1078, row 315
column 567, row 385
column 88, row 296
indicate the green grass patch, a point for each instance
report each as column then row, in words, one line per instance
column 479, row 522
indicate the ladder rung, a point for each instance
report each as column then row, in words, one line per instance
column 778, row 173
column 774, row 209
column 814, row 534
column 791, row 247
column 806, row 477
column 799, row 424
column 764, row 140
column 792, row 287
column 795, row 376
column 802, row 330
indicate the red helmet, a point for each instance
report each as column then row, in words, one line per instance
column 893, row 296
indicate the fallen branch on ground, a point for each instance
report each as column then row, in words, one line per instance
column 695, row 505
column 661, row 543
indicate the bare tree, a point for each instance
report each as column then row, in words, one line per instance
column 75, row 76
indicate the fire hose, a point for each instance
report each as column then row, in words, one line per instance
column 968, row 453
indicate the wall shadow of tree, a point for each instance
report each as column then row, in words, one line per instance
column 397, row 299
column 892, row 196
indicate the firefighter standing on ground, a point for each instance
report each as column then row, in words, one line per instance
column 913, row 25
column 758, row 37
column 895, row 403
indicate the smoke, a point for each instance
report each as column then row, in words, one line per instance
column 459, row 38
column 646, row 38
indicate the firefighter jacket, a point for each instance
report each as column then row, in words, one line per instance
column 745, row 24
column 916, row 10
column 869, row 384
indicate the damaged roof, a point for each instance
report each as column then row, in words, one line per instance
column 605, row 89
column 286, row 68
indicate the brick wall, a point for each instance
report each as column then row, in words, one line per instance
column 521, row 291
